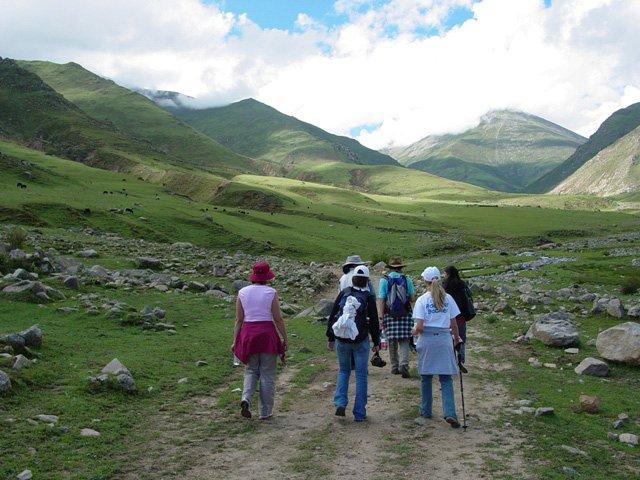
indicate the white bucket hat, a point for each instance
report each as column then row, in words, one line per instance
column 361, row 271
column 431, row 273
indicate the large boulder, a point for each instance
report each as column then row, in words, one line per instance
column 554, row 329
column 621, row 343
column 238, row 285
column 594, row 367
column 32, row 336
column 321, row 309
column 5, row 382
column 149, row 262
column 30, row 291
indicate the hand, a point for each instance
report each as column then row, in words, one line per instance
column 331, row 346
column 457, row 341
column 375, row 348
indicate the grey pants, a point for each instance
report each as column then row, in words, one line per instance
column 402, row 347
column 261, row 367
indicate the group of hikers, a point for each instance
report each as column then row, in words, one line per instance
column 362, row 320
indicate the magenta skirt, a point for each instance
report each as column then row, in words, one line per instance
column 257, row 337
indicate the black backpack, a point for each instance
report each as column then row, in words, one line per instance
column 471, row 309
column 363, row 298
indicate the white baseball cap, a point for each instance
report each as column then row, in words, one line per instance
column 361, row 271
column 431, row 273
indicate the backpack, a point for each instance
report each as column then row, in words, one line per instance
column 397, row 303
column 363, row 298
column 471, row 309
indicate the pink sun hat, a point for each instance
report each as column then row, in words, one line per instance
column 261, row 273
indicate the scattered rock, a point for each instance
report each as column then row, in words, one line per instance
column 183, row 380
column 31, row 291
column 72, row 282
column 621, row 343
column 574, row 451
column 32, row 336
column 572, row 351
column 25, row 475
column 50, row 419
column 238, row 285
column 5, row 382
column 570, row 471
column 115, row 367
column 554, row 329
column 201, row 363
column 20, row 362
column 503, row 307
column 594, row 367
column 149, row 262
column 628, row 438
column 89, row 253
column 88, row 432
column 589, row 404
column 615, row 308
column 544, row 411
column 321, row 309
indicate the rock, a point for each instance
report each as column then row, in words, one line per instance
column 572, row 351
column 634, row 311
column 98, row 271
column 183, row 380
column 379, row 267
column 589, row 404
column 570, row 471
column 544, row 411
column 72, row 282
column 219, row 294
column 624, row 418
column 321, row 309
column 534, row 362
column 5, row 382
column 114, row 367
column 197, row 286
column 149, row 262
column 422, row 421
column 621, row 343
column 612, row 436
column 88, row 432
column 554, row 329
column 529, row 299
column 238, row 285
column 25, row 475
column 127, row 383
column 30, row 291
column 13, row 340
column 503, row 307
column 574, row 451
column 32, row 336
column 89, row 253
column 594, row 367
column 201, row 363
column 628, row 438
column 181, row 246
column 615, row 308
column 20, row 362
column 50, row 419
column 20, row 274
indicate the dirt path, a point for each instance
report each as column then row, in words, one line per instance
column 306, row 441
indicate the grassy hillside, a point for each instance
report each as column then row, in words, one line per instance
column 139, row 117
column 613, row 171
column 616, row 126
column 260, row 131
column 506, row 151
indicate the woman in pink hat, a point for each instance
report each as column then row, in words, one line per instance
column 260, row 336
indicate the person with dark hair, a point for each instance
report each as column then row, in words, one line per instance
column 459, row 290
column 395, row 296
column 353, row 319
column 435, row 316
column 259, row 337
column 348, row 267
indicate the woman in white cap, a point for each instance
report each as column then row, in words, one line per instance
column 435, row 315
column 348, row 268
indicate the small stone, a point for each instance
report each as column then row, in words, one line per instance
column 544, row 411
column 572, row 351
column 88, row 432
column 20, row 362
column 624, row 418
column 589, row 404
column 574, row 451
column 550, row 365
column 183, row 380
column 612, row 436
column 50, row 419
column 628, row 438
column 127, row 383
column 523, row 403
column 201, row 363
column 570, row 471
column 89, row 253
column 114, row 367
column 72, row 282
column 420, row 421
column 32, row 336
column 25, row 475
column 594, row 367
column 534, row 362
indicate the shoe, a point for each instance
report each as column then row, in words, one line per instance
column 244, row 409
column 453, row 422
column 404, row 371
column 340, row 411
column 395, row 371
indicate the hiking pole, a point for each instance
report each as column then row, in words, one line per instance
column 464, row 412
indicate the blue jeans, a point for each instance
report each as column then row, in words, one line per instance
column 448, row 403
column 360, row 354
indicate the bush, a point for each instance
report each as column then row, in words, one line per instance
column 491, row 318
column 630, row 285
column 16, row 236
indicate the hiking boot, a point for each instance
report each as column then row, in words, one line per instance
column 340, row 411
column 244, row 409
column 395, row 371
column 453, row 422
column 404, row 371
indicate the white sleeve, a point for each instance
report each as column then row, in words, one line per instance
column 454, row 311
column 418, row 309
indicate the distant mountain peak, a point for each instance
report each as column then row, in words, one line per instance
column 165, row 98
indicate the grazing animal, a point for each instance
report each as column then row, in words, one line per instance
column 87, row 211
column 19, row 185
column 23, row 186
column 106, row 192
column 128, row 210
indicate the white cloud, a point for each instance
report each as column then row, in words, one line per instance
column 573, row 63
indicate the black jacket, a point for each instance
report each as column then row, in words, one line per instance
column 459, row 294
column 366, row 318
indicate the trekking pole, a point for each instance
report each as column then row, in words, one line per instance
column 464, row 412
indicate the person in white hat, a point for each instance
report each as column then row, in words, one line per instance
column 348, row 268
column 435, row 315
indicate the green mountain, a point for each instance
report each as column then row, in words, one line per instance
column 613, row 128
column 138, row 117
column 612, row 171
column 506, row 151
column 259, row 131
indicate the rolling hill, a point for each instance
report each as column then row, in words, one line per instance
column 612, row 171
column 138, row 117
column 613, row 128
column 259, row 131
column 506, row 151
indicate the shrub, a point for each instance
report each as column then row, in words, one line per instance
column 16, row 237
column 630, row 285
column 492, row 318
